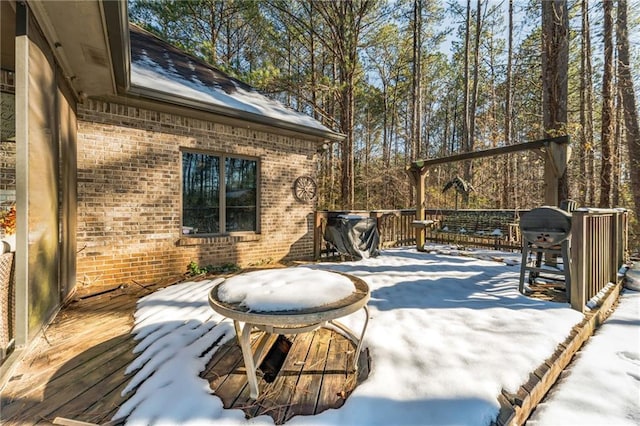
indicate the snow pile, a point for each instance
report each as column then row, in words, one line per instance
column 602, row 386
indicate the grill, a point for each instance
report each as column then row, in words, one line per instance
column 545, row 231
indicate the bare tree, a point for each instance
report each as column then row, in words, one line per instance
column 586, row 157
column 344, row 22
column 555, row 68
column 508, row 111
column 628, row 101
column 466, row 127
column 416, row 97
column 607, row 108
column 472, row 100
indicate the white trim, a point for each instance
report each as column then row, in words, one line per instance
column 22, row 188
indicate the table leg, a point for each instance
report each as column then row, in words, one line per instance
column 353, row 337
column 249, row 365
column 359, row 346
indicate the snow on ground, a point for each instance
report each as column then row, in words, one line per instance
column 446, row 335
column 602, row 386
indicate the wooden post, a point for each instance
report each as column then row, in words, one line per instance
column 556, row 159
column 579, row 264
column 420, row 202
column 613, row 253
column 377, row 215
column 317, row 234
column 550, row 184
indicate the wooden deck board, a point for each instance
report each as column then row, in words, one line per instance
column 59, row 357
column 337, row 371
column 100, row 364
column 286, row 381
column 307, row 390
column 76, row 369
column 317, row 375
column 106, row 406
column 99, row 383
column 77, row 385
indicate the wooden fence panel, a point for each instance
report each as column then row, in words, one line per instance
column 598, row 250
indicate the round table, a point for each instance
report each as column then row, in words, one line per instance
column 290, row 322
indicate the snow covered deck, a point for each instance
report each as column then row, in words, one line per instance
column 78, row 371
column 450, row 340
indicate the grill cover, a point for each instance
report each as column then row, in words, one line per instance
column 546, row 226
column 355, row 236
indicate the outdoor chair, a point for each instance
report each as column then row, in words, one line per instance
column 7, row 303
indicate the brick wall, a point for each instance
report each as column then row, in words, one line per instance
column 129, row 185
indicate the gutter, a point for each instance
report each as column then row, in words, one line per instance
column 117, row 29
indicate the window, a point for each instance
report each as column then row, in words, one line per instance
column 219, row 194
column 7, row 106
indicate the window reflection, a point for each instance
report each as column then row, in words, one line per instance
column 201, row 194
column 240, row 194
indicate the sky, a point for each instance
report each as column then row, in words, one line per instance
column 446, row 334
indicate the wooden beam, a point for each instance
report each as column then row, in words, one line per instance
column 420, row 203
column 533, row 145
column 556, row 160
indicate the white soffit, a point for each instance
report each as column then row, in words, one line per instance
column 76, row 31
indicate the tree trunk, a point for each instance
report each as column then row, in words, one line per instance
column 476, row 71
column 471, row 109
column 312, row 65
column 348, row 108
column 474, row 97
column 586, row 158
column 555, row 68
column 416, row 95
column 629, row 102
column 607, row 108
column 344, row 22
column 508, row 113
column 618, row 125
column 467, row 86
column 416, row 98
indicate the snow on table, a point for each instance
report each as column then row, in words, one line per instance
column 287, row 289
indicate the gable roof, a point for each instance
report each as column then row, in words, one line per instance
column 163, row 72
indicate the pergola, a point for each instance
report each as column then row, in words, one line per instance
column 555, row 152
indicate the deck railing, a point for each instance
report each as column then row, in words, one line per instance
column 599, row 239
column 396, row 230
column 476, row 228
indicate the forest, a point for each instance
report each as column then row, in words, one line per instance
column 419, row 79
